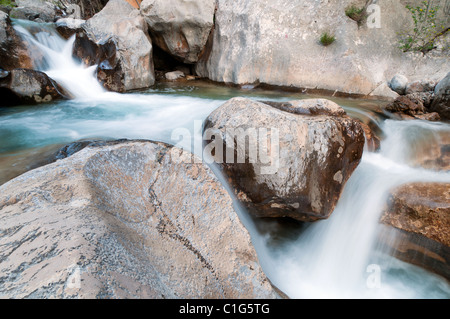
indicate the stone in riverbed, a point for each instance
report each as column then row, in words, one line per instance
column 422, row 208
column 131, row 65
column 124, row 221
column 311, row 156
column 441, row 102
column 175, row 75
column 420, row 214
column 399, row 83
column 67, row 27
column 420, row 87
column 23, row 86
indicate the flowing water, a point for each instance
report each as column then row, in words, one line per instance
column 336, row 258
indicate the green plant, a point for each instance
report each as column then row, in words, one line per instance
column 7, row 3
column 357, row 14
column 326, row 39
column 426, row 29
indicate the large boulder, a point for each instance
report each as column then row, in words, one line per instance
column 125, row 220
column 24, row 86
column 36, row 10
column 179, row 27
column 420, row 212
column 306, row 151
column 441, row 102
column 277, row 42
column 13, row 51
column 131, row 65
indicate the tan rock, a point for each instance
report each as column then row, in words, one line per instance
column 309, row 157
column 124, row 221
column 422, row 208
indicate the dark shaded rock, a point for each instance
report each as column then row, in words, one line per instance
column 426, row 98
column 24, row 86
column 109, row 70
column 3, row 74
column 405, row 105
column 441, row 102
column 309, row 157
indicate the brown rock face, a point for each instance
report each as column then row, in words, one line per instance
column 405, row 105
column 422, row 208
column 13, row 51
column 23, row 86
column 421, row 214
column 309, row 157
column 124, row 221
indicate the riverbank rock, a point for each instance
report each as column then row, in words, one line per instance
column 412, row 106
column 421, row 211
column 180, row 28
column 83, row 9
column 36, row 10
column 23, row 86
column 441, row 102
column 306, row 151
column 131, row 65
column 124, row 221
column 399, row 83
column 13, row 51
column 276, row 42
column 420, row 87
column 174, row 75
column 67, row 27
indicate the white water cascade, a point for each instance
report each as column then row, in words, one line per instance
column 336, row 258
column 329, row 259
column 56, row 60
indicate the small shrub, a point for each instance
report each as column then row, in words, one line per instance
column 326, row 39
column 7, row 3
column 357, row 14
column 426, row 28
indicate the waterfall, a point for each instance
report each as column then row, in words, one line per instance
column 334, row 258
column 54, row 57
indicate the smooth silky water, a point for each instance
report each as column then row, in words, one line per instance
column 328, row 259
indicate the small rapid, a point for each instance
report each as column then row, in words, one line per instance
column 53, row 55
column 327, row 259
column 338, row 258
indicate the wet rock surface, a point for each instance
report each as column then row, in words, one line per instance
column 24, row 86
